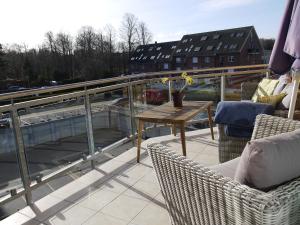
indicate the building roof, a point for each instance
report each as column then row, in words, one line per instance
column 199, row 44
column 157, row 52
column 214, row 42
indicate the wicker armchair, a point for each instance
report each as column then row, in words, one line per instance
column 232, row 147
column 196, row 195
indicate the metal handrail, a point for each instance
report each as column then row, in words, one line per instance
column 77, row 94
column 32, row 92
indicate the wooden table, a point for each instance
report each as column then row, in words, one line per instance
column 168, row 114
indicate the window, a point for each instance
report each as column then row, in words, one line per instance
column 150, row 49
column 167, row 56
column 191, row 39
column 173, row 47
column 145, row 57
column 152, row 57
column 178, row 68
column 186, row 49
column 178, row 60
column 158, row 48
column 207, row 59
column 240, row 34
column 197, row 49
column 219, row 45
column 195, row 59
column 132, row 58
column 195, row 67
column 209, row 48
column 138, row 50
column 233, row 46
column 166, row 66
column 185, row 41
column 178, row 50
column 232, row 34
column 216, row 36
column 203, row 38
column 231, row 58
column 225, row 46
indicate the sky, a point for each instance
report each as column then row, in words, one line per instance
column 27, row 21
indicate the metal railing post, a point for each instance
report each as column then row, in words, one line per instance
column 268, row 74
column 89, row 127
column 131, row 110
column 170, row 90
column 296, row 80
column 20, row 151
column 223, row 81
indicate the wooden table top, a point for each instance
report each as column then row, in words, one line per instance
column 167, row 113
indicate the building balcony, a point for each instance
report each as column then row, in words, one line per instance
column 69, row 152
column 119, row 191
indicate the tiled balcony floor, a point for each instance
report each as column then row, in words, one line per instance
column 118, row 192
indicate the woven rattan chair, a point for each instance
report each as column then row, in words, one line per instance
column 196, row 195
column 232, row 147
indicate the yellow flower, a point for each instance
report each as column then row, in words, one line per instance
column 164, row 80
column 184, row 75
column 189, row 80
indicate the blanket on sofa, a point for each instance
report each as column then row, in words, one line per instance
column 239, row 117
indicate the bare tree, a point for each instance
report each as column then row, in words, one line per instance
column 144, row 34
column 110, row 38
column 128, row 31
column 64, row 44
column 86, row 40
column 50, row 41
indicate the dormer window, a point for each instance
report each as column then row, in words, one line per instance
column 240, row 34
column 197, row 49
column 209, row 48
column 173, row 47
column 232, row 34
column 132, row 58
column 178, row 50
column 216, row 36
column 150, row 49
column 152, row 57
column 138, row 50
column 203, row 38
column 158, row 48
column 185, row 41
column 233, row 46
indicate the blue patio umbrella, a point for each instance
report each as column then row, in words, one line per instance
column 286, row 52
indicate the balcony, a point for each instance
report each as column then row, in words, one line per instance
column 69, row 151
column 120, row 191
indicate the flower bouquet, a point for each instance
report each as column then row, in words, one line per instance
column 179, row 87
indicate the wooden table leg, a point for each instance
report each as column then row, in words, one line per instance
column 182, row 135
column 174, row 129
column 210, row 123
column 140, row 131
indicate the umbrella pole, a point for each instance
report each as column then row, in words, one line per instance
column 296, row 79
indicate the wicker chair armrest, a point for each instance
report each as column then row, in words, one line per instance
column 247, row 90
column 266, row 125
column 197, row 195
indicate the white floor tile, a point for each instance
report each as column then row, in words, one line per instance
column 152, row 215
column 44, row 208
column 73, row 215
column 98, row 199
column 124, row 207
column 103, row 219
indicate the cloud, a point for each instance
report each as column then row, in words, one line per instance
column 223, row 4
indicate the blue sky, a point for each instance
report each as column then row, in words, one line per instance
column 28, row 21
